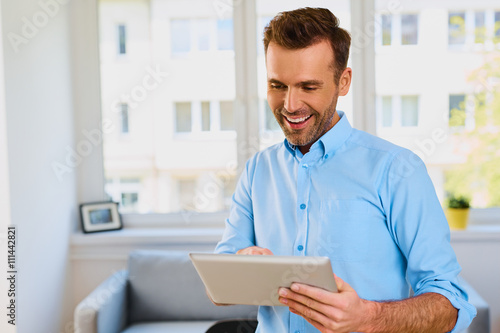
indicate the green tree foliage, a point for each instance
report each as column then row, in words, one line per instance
column 479, row 176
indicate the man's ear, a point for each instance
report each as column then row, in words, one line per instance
column 345, row 81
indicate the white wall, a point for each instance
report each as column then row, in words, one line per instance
column 39, row 121
column 5, row 327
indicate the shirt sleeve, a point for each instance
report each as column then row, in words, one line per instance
column 418, row 225
column 239, row 228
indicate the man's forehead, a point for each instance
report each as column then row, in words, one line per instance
column 312, row 63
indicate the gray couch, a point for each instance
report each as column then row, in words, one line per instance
column 160, row 292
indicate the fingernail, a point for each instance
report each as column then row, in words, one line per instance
column 283, row 300
column 295, row 287
column 282, row 292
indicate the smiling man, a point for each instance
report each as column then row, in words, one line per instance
column 331, row 190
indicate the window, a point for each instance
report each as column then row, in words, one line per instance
column 129, row 200
column 479, row 28
column 124, row 117
column 205, row 116
column 197, row 102
column 456, row 28
column 409, row 29
column 457, row 113
column 473, row 29
column 413, row 109
column 122, row 39
column 203, row 34
column 180, row 36
column 409, row 111
column 126, row 191
column 387, row 111
column 386, row 29
column 183, row 117
column 398, row 29
column 496, row 28
column 180, row 86
column 225, row 34
column 398, row 111
column 226, row 116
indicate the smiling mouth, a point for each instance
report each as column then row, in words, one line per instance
column 297, row 120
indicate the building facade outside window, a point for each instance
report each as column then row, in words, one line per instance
column 122, row 39
column 183, row 132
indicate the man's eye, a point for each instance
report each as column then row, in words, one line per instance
column 277, row 86
column 309, row 88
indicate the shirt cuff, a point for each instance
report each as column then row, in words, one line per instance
column 466, row 311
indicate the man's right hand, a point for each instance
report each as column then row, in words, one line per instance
column 255, row 250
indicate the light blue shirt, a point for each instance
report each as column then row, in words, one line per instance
column 365, row 203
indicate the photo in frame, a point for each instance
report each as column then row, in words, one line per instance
column 100, row 216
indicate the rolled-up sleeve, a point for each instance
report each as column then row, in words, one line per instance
column 418, row 225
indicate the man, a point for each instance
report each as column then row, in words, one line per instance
column 331, row 190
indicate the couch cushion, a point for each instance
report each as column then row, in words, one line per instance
column 164, row 285
column 171, row 326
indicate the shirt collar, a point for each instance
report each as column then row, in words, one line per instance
column 331, row 140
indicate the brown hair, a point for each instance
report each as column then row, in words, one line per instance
column 303, row 27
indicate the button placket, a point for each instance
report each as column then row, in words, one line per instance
column 303, row 190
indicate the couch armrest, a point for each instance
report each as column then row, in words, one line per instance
column 105, row 309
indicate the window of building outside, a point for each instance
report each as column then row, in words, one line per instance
column 440, row 98
column 456, row 28
column 122, row 39
column 397, row 28
column 409, row 29
column 179, row 84
column 125, row 119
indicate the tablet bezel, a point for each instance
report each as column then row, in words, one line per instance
column 255, row 279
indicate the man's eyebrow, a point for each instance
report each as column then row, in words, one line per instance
column 275, row 81
column 300, row 84
column 310, row 83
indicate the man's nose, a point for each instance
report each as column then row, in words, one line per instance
column 292, row 100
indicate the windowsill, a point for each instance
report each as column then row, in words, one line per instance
column 148, row 236
column 485, row 232
column 185, row 236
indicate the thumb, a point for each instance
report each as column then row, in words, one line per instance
column 341, row 284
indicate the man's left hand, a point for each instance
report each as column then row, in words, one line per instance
column 338, row 312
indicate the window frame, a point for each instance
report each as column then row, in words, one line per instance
column 87, row 101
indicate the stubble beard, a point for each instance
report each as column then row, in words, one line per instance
column 312, row 132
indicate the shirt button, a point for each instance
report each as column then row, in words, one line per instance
column 305, row 166
column 326, row 155
column 303, row 206
column 300, row 247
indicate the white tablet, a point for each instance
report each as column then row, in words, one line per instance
column 255, row 279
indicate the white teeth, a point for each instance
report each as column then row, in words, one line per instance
column 297, row 120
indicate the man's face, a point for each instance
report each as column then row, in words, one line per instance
column 302, row 92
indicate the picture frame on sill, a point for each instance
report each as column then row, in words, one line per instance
column 100, row 216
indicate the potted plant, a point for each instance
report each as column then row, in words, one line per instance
column 457, row 211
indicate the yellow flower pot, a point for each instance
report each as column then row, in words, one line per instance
column 457, row 217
